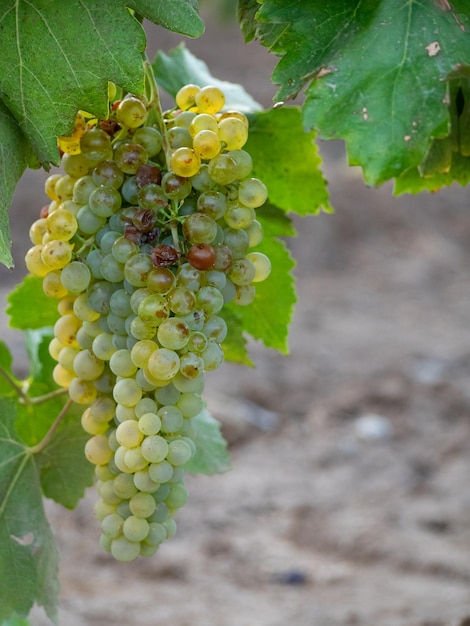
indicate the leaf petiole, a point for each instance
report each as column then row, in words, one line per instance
column 39, row 447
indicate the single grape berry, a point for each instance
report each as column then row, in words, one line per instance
column 201, row 256
column 164, row 256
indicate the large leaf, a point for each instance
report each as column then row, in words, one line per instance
column 181, row 67
column 211, row 448
column 269, row 315
column 29, row 307
column 56, row 58
column 16, row 155
column 286, row 159
column 28, row 554
column 378, row 68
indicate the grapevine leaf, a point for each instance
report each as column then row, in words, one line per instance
column 28, row 554
column 6, row 361
column 234, row 345
column 65, row 472
column 286, row 159
column 411, row 181
column 269, row 315
column 15, row 620
column 246, row 13
column 29, row 307
column 15, row 156
column 179, row 16
column 181, row 67
column 365, row 59
column 211, row 448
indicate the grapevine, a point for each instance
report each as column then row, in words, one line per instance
column 148, row 234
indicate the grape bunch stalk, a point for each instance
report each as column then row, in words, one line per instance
column 148, row 234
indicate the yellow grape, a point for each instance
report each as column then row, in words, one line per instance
column 186, row 96
column 210, row 100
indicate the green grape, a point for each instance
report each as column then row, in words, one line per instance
column 210, row 100
column 160, row 472
column 127, row 392
column 186, row 96
column 150, row 138
column 237, row 241
column 183, row 118
column 82, row 309
column 122, row 249
column 137, row 268
column 179, row 137
column 201, row 182
column 171, row 419
column 252, row 192
column 120, row 303
column 95, row 145
column 104, row 201
column 185, row 162
column 173, row 333
column 243, row 161
column 87, row 366
column 150, row 424
column 244, row 295
column 190, row 404
column 130, row 156
column 75, row 165
column 238, row 216
column 52, row 286
column 123, row 486
column 179, row 452
column 163, row 364
column 177, row 497
column 146, row 405
column 97, row 450
column 203, row 122
column 191, row 364
column 210, row 299
column 167, row 394
column 130, row 191
column 56, row 254
column 176, row 187
column 223, row 169
column 88, row 222
column 153, row 309
column 242, row 272
column 154, row 449
column 233, row 133
column 255, row 233
column 108, row 173
column 128, row 434
column 199, row 228
column 262, row 265
column 215, row 328
column 212, row 355
column 124, row 550
column 142, row 505
column 131, row 112
column 112, row 525
column 161, row 280
column 61, row 225
column 121, row 363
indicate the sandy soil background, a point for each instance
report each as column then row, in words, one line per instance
column 348, row 502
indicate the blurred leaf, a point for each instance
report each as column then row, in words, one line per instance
column 211, row 448
column 29, row 307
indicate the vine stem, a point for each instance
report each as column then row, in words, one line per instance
column 156, row 107
column 39, row 447
column 15, row 386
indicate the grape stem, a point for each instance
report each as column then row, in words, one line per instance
column 15, row 386
column 45, row 441
column 156, row 110
column 24, row 398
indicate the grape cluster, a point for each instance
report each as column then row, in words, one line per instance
column 148, row 234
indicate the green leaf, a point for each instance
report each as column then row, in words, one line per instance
column 246, row 12
column 378, row 68
column 211, row 448
column 6, row 361
column 411, row 181
column 29, row 307
column 180, row 16
column 15, row 156
column 65, row 472
column 28, row 554
column 234, row 344
column 268, row 316
column 286, row 159
column 15, row 620
column 180, row 67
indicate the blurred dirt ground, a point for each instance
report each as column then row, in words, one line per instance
column 348, row 501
